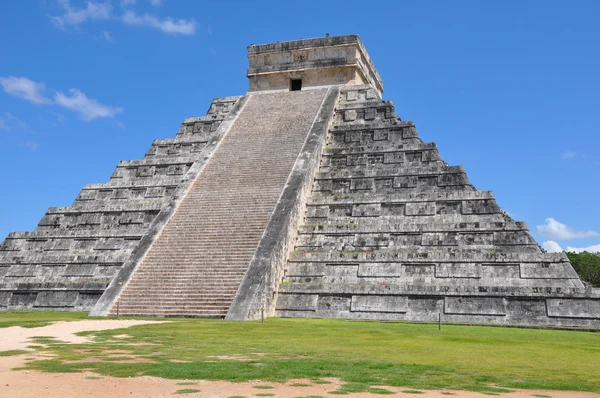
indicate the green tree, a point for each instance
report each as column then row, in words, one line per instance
column 587, row 266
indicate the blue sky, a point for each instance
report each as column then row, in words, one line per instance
column 508, row 89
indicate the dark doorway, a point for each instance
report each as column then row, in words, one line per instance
column 295, row 84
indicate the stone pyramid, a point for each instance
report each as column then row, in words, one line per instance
column 306, row 197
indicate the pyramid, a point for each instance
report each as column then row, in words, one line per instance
column 306, row 197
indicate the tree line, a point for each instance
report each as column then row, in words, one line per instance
column 587, row 266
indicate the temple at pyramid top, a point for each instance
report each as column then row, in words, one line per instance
column 310, row 63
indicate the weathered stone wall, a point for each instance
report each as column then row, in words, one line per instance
column 393, row 232
column 76, row 251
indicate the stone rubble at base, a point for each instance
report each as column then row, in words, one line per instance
column 312, row 203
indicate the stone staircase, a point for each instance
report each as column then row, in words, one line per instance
column 196, row 264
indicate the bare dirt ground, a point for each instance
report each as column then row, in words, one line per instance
column 27, row 384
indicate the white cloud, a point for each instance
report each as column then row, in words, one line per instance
column 169, row 25
column 559, row 231
column 11, row 121
column 77, row 16
column 87, row 108
column 156, row 3
column 567, row 155
column 32, row 145
column 25, row 88
column 3, row 125
column 127, row 3
column 31, row 91
column 107, row 36
column 590, row 249
column 551, row 246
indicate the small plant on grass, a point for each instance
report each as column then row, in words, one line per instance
column 187, row 391
column 11, row 353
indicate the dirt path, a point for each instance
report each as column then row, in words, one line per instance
column 27, row 384
column 17, row 337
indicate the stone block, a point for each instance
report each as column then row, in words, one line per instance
column 405, row 182
column 5, row 298
column 89, row 219
column 80, row 270
column 453, row 179
column 400, row 240
column 340, row 185
column 379, row 304
column 573, row 308
column 340, row 210
column 427, row 181
column 22, row 299
column 374, row 158
column 56, row 299
column 381, row 135
column 346, row 273
column 370, row 113
column 297, row 302
column 132, row 218
column 440, row 239
column 322, row 185
column 513, row 238
column 503, row 271
column 444, row 208
column 378, row 270
column 488, row 206
column 303, row 269
column 526, row 308
column 419, row 270
column 87, row 194
column 349, row 115
column 413, row 157
column 333, row 304
column 392, row 209
column 362, row 184
column 23, row 270
column 355, row 160
column 420, row 209
column 120, row 194
column 547, row 271
column 366, row 210
column 458, row 270
column 475, row 305
column 317, row 211
column 372, row 240
column 393, row 157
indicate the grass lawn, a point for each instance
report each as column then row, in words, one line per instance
column 33, row 319
column 363, row 354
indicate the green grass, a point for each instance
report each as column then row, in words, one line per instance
column 362, row 354
column 187, row 391
column 35, row 319
column 11, row 353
